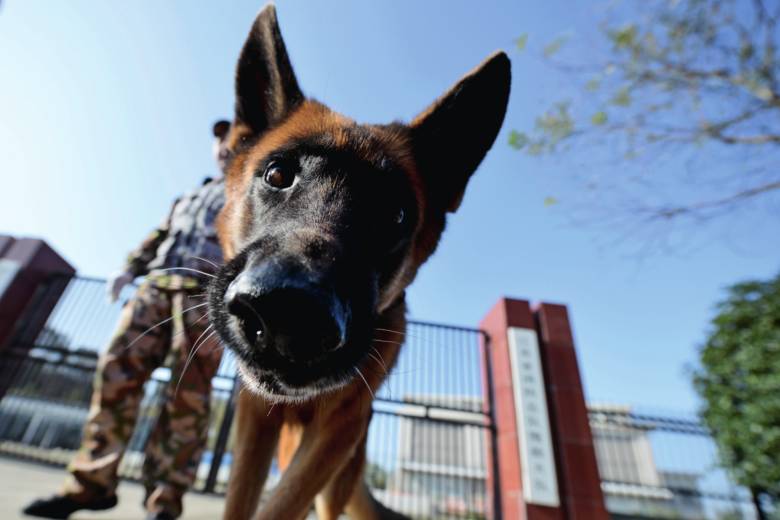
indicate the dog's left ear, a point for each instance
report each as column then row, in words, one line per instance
column 451, row 137
column 266, row 87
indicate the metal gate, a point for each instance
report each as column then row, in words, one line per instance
column 658, row 466
column 430, row 444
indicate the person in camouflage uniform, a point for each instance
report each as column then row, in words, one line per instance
column 166, row 318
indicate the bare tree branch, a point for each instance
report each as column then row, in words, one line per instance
column 682, row 79
column 669, row 213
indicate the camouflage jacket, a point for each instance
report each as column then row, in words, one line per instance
column 187, row 238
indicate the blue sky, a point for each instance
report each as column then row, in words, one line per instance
column 105, row 116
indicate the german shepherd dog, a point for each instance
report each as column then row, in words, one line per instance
column 326, row 223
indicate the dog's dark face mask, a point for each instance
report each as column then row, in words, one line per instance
column 325, row 231
column 327, row 221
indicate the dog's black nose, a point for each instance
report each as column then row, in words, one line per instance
column 279, row 309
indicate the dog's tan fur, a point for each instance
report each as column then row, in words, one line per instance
column 321, row 441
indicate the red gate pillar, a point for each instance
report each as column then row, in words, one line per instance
column 25, row 264
column 578, row 475
column 546, row 461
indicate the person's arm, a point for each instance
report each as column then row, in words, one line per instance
column 138, row 260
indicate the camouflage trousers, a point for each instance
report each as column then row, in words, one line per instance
column 177, row 441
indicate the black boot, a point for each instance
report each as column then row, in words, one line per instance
column 62, row 506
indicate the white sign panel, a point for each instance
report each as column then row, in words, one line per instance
column 540, row 483
column 8, row 270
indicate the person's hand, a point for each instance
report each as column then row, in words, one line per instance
column 115, row 283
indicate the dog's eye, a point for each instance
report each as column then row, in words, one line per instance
column 278, row 177
column 400, row 216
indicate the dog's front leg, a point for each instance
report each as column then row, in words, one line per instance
column 347, row 492
column 257, row 432
column 329, row 442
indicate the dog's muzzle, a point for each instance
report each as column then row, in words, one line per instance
column 279, row 306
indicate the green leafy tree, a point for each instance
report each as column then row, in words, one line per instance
column 674, row 90
column 739, row 382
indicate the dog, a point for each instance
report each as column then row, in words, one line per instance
column 325, row 224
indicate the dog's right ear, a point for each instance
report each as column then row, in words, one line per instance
column 451, row 137
column 266, row 88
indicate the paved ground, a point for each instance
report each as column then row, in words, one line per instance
column 21, row 482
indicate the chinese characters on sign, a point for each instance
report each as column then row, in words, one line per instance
column 540, row 483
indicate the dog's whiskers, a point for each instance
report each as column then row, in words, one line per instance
column 204, row 273
column 381, row 365
column 379, row 359
column 406, row 335
column 388, row 341
column 205, row 315
column 206, row 260
column 357, row 370
column 163, row 322
column 184, row 329
column 391, row 330
column 191, row 357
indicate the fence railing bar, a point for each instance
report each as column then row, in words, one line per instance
column 439, row 420
column 428, row 407
column 679, row 491
column 641, row 421
column 445, row 326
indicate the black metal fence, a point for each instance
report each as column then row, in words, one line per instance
column 662, row 465
column 428, row 446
